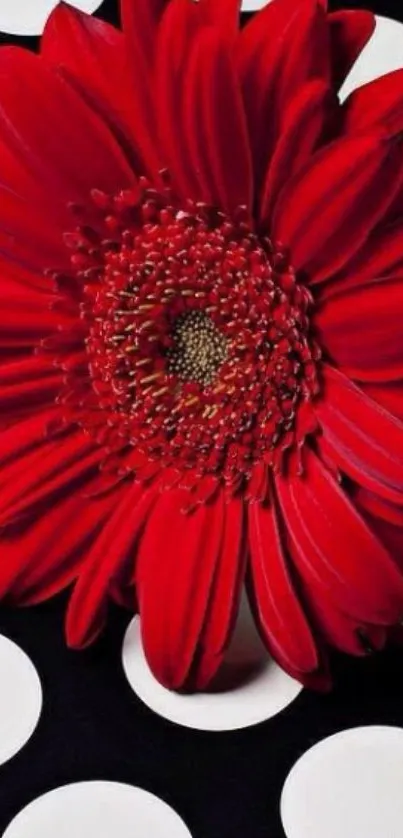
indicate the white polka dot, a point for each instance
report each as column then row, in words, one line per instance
column 382, row 54
column 347, row 786
column 100, row 810
column 28, row 17
column 20, row 699
column 253, row 5
column 249, row 689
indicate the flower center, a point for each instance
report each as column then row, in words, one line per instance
column 199, row 349
column 198, row 341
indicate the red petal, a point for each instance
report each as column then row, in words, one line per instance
column 378, row 508
column 258, row 485
column 174, row 581
column 106, row 564
column 175, row 37
column 343, row 633
column 93, row 56
column 282, row 49
column 27, row 237
column 389, row 395
column 41, row 386
column 349, row 33
column 327, row 211
column 381, row 256
column 27, row 385
column 330, row 623
column 215, row 126
column 78, row 153
column 378, row 104
column 223, row 604
column 25, row 371
column 140, row 21
column 337, row 549
column 40, row 476
column 385, row 519
column 18, row 326
column 224, row 15
column 391, row 535
column 39, row 565
column 278, row 612
column 25, row 435
column 361, row 330
column 367, row 441
column 18, row 278
column 304, row 123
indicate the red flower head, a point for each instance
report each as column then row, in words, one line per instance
column 201, row 351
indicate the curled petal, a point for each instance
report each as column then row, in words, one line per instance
column 336, row 547
column 283, row 624
column 174, row 582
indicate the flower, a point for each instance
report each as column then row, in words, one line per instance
column 200, row 339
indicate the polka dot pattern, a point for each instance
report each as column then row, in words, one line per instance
column 28, row 17
column 100, row 763
column 349, row 784
column 249, row 689
column 101, row 809
column 20, row 699
column 253, row 5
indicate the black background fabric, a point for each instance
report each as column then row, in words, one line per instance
column 223, row 785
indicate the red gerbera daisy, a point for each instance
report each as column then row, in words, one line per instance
column 200, row 345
